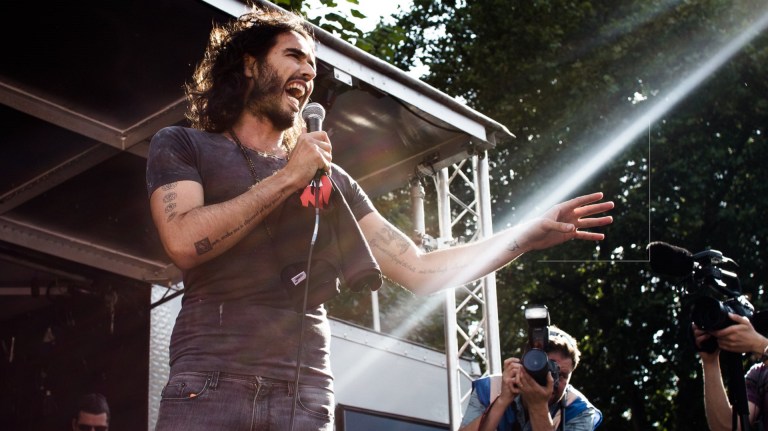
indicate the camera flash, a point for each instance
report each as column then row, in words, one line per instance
column 536, row 312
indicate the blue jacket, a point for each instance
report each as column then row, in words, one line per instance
column 482, row 388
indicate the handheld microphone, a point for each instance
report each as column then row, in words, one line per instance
column 314, row 114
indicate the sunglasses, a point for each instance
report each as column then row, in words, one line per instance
column 83, row 427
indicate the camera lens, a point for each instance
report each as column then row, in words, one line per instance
column 536, row 363
column 710, row 314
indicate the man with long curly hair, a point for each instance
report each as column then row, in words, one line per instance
column 223, row 194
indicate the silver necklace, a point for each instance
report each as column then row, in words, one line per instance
column 247, row 157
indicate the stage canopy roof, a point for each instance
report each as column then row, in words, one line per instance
column 83, row 87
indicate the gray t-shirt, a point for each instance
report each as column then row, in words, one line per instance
column 236, row 316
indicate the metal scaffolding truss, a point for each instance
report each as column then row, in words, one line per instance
column 471, row 317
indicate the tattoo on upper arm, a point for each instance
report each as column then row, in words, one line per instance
column 395, row 238
column 393, row 244
column 378, row 244
column 383, row 241
column 168, row 199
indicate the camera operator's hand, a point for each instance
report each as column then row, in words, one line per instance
column 700, row 336
column 741, row 337
column 735, row 338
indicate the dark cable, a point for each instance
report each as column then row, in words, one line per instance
column 302, row 314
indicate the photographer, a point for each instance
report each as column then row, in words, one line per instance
column 525, row 403
column 738, row 338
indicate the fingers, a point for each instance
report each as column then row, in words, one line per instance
column 582, row 203
column 323, row 146
column 312, row 152
column 696, row 330
column 589, row 236
column 574, row 229
column 588, row 210
column 585, row 199
column 510, row 361
column 583, row 221
column 578, row 210
column 738, row 318
column 701, row 338
column 594, row 222
column 532, row 390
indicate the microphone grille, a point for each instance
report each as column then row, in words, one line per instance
column 313, row 110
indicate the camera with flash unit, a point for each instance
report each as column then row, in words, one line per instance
column 535, row 361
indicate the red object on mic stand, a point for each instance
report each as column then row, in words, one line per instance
column 308, row 195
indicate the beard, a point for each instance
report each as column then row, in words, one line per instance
column 265, row 99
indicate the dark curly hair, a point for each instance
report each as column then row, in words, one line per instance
column 216, row 92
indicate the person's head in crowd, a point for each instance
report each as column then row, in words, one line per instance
column 562, row 348
column 92, row 413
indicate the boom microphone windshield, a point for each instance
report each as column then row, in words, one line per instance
column 669, row 259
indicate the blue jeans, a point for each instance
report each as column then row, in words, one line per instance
column 219, row 401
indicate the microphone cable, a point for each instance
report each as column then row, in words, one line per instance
column 302, row 316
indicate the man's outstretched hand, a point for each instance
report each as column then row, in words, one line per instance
column 566, row 221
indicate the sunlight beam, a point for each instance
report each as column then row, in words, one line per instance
column 565, row 184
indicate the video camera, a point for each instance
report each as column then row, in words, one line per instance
column 713, row 292
column 535, row 361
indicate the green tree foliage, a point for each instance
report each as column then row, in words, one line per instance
column 566, row 77
column 381, row 42
column 331, row 22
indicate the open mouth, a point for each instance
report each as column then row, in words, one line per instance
column 296, row 90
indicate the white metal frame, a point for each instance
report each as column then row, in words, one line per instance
column 482, row 339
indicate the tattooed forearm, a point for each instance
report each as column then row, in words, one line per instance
column 265, row 209
column 513, row 246
column 445, row 268
column 203, row 246
column 228, row 234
